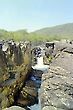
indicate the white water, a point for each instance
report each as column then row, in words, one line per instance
column 44, row 68
column 40, row 61
column 40, row 65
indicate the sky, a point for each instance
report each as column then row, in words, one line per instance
column 34, row 14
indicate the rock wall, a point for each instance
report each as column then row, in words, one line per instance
column 15, row 66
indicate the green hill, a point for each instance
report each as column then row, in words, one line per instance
column 16, row 35
column 58, row 32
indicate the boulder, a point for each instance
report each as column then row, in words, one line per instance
column 14, row 108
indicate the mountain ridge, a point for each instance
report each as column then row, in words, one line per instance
column 68, row 27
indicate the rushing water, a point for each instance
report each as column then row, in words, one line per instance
column 40, row 60
column 40, row 65
column 36, row 106
column 44, row 68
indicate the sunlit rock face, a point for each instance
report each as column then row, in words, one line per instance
column 14, row 108
column 15, row 65
column 57, row 84
column 57, row 89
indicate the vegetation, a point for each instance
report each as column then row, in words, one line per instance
column 59, row 32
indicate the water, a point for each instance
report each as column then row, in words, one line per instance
column 36, row 106
column 37, row 80
column 40, row 61
column 40, row 65
column 44, row 68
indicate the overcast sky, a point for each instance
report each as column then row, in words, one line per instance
column 34, row 14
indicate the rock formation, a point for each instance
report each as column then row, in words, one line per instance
column 57, row 84
column 15, row 66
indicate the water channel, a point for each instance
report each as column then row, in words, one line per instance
column 44, row 69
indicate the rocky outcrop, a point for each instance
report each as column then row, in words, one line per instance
column 64, row 60
column 57, row 84
column 15, row 66
column 29, row 93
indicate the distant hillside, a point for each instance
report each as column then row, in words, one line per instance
column 16, row 35
column 64, row 31
column 58, row 32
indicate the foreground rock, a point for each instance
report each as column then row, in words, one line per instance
column 57, row 89
column 14, row 108
column 57, row 84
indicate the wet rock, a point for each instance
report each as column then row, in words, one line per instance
column 37, row 74
column 28, row 95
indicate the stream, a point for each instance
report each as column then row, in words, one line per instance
column 44, row 68
column 36, row 106
column 32, row 87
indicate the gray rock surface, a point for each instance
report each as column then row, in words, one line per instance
column 14, row 108
column 57, row 84
column 57, row 89
column 64, row 60
column 29, row 93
